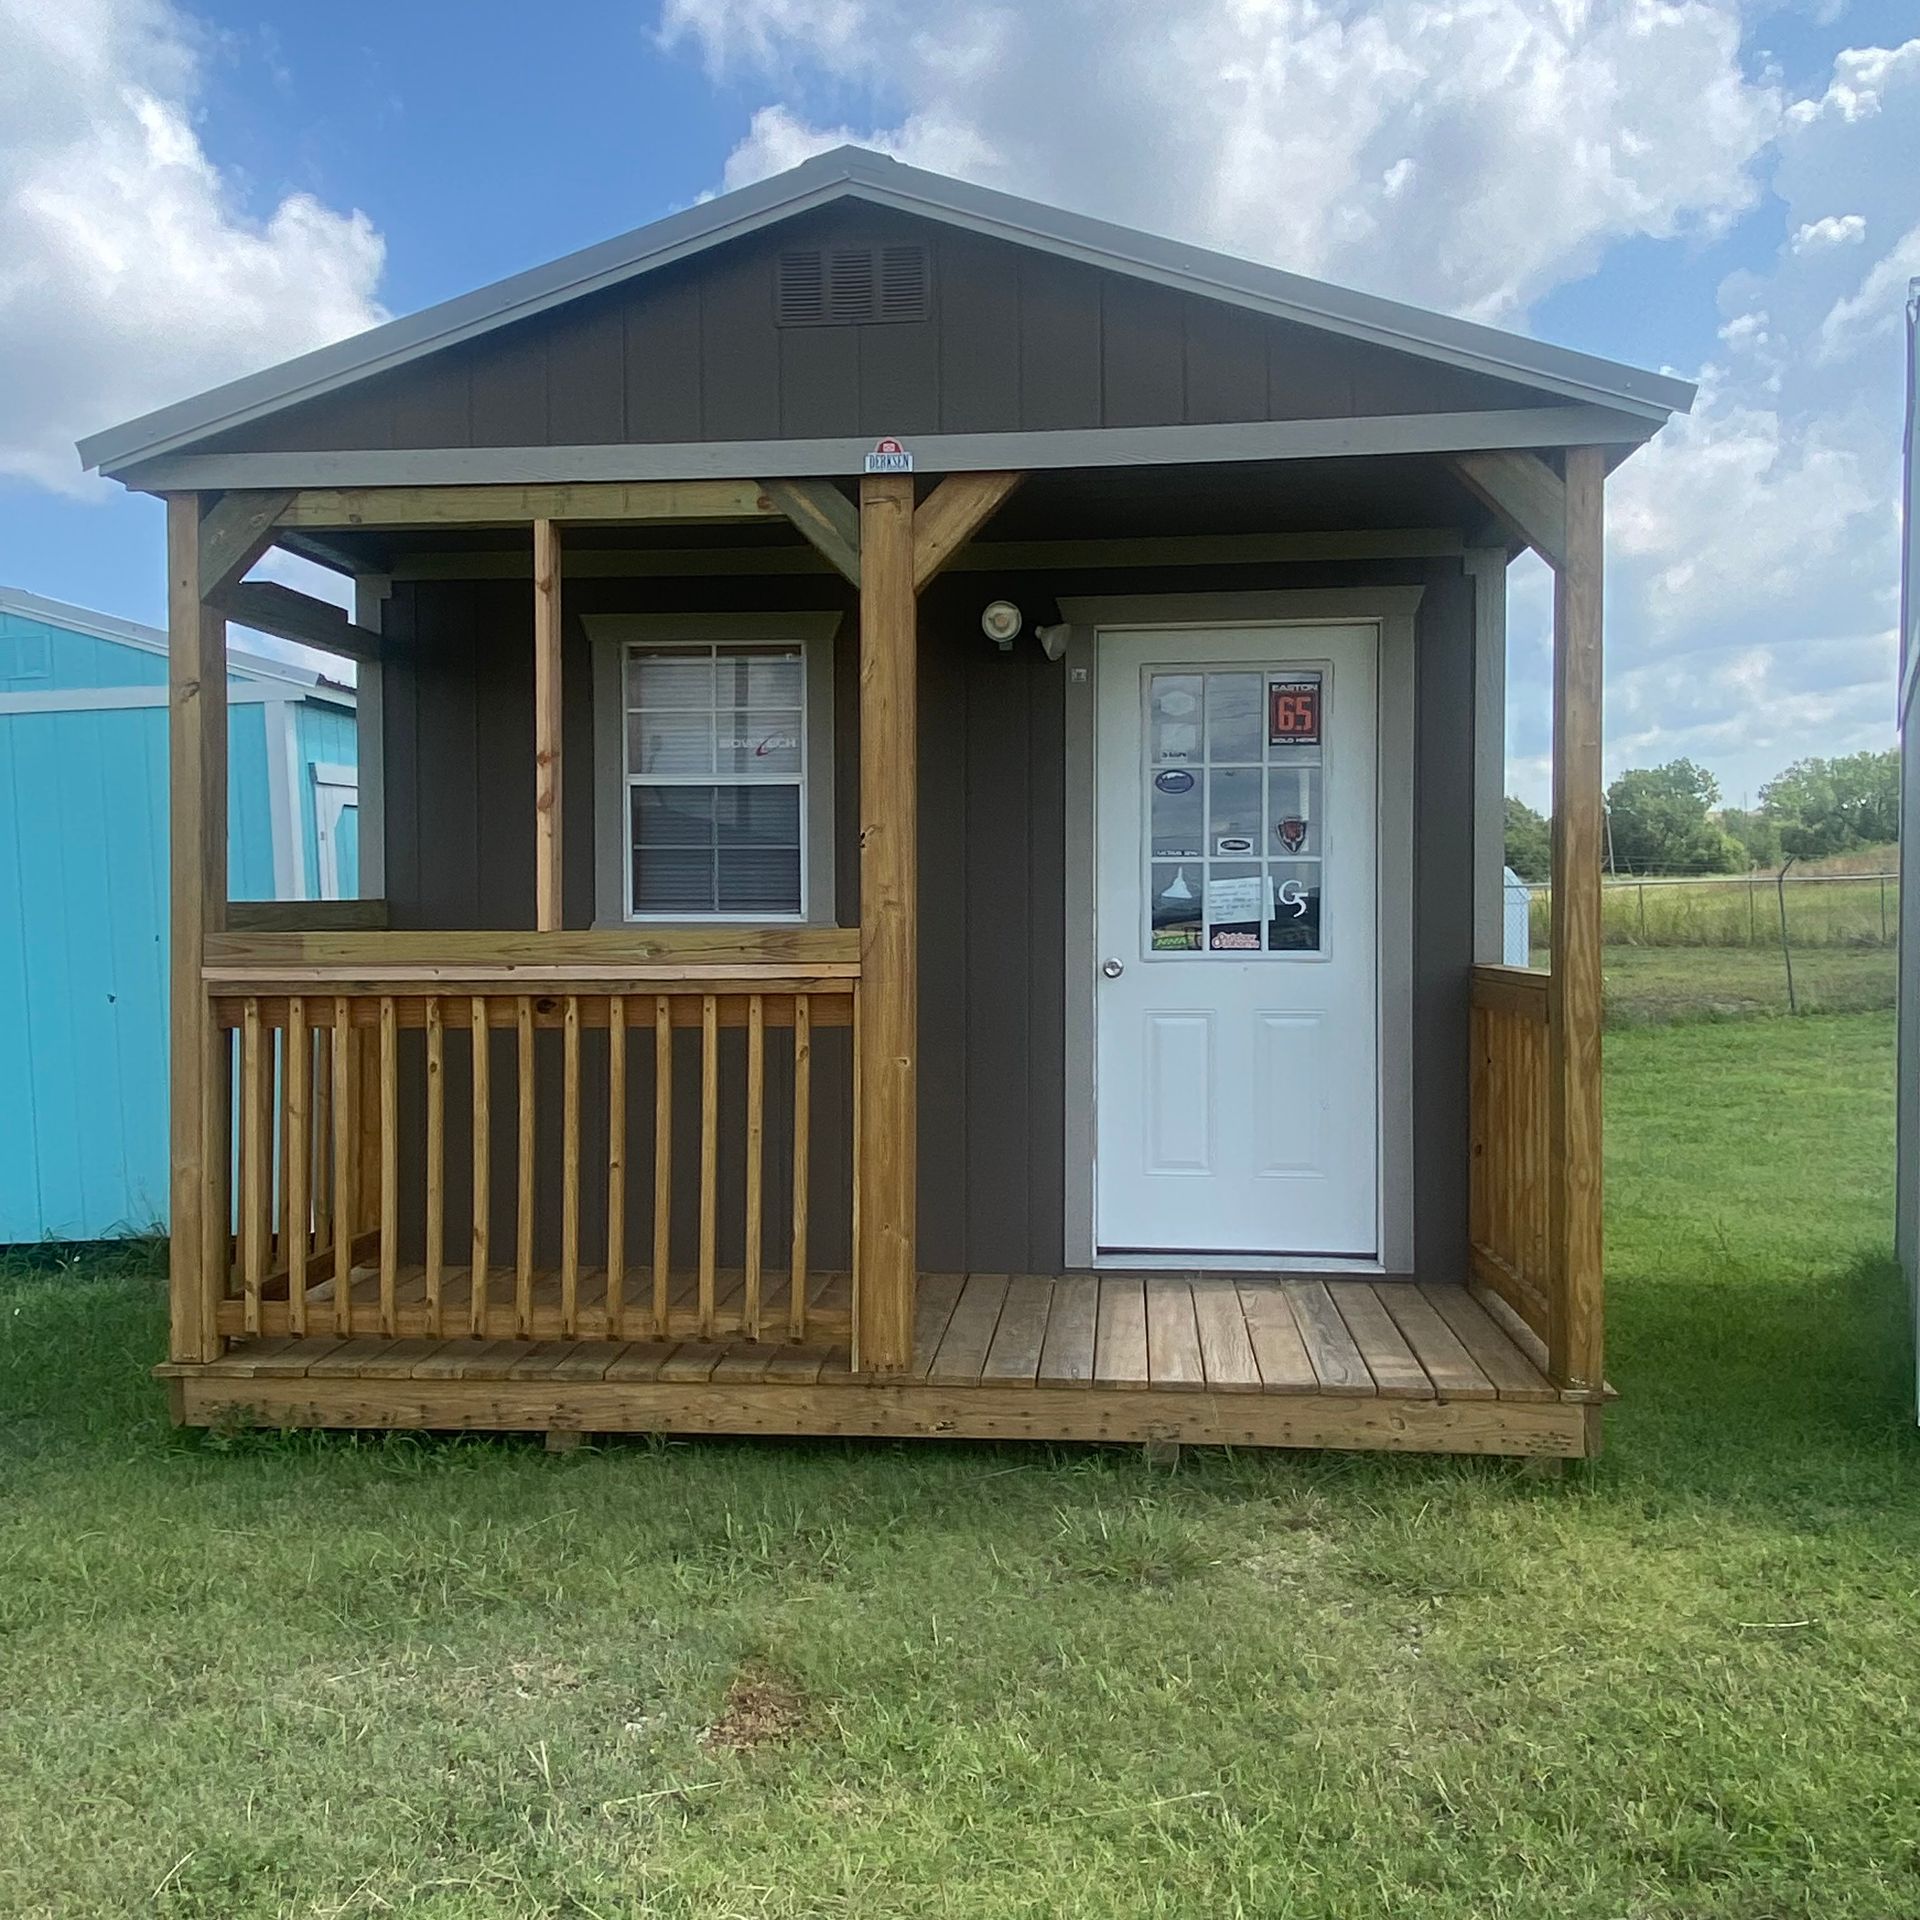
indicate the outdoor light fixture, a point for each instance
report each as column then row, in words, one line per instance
column 1053, row 639
column 1000, row 622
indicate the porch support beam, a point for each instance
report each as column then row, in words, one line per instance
column 830, row 521
column 1575, row 1325
column 548, row 876
column 234, row 532
column 886, row 1123
column 605, row 501
column 197, row 858
column 1524, row 492
column 951, row 515
column 268, row 607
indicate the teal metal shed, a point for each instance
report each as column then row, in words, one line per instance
column 83, row 892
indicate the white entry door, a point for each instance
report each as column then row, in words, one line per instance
column 1237, row 1067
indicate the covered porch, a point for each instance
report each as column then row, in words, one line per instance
column 576, row 1178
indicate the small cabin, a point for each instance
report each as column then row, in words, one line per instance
column 83, row 870
column 932, row 863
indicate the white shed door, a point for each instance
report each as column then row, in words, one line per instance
column 1237, row 1062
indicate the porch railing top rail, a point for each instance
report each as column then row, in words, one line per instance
column 779, row 960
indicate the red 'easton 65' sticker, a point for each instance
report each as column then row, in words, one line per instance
column 1293, row 713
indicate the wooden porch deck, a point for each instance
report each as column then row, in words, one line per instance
column 1207, row 1359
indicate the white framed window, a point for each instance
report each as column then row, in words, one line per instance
column 713, row 768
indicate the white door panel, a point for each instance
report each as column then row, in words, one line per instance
column 1237, row 1086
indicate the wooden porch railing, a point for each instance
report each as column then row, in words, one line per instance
column 1509, row 1196
column 340, row 1138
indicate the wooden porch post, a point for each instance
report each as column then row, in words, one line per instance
column 197, row 837
column 1576, row 1321
column 886, row 1127
column 548, row 875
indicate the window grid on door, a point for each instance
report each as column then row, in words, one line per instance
column 1234, row 775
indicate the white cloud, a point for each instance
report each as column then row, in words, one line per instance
column 1830, row 230
column 130, row 273
column 1467, row 155
column 1474, row 155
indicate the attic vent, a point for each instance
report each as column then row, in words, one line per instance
column 853, row 286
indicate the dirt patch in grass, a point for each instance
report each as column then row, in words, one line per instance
column 760, row 1710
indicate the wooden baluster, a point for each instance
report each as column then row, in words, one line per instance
column 709, row 1152
column 616, row 1167
column 278, row 1040
column 436, row 1160
column 346, row 1132
column 322, row 1138
column 1537, row 1150
column 523, row 1198
column 482, row 1167
column 802, row 1123
column 367, row 1046
column 1477, row 1018
column 256, row 1172
column 662, row 1160
column 570, row 1171
column 756, row 1146
column 389, row 1167
column 297, row 1161
column 220, row 1227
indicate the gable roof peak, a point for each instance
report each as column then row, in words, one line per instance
column 867, row 174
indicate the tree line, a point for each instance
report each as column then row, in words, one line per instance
column 1669, row 819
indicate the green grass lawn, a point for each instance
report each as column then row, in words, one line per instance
column 320, row 1676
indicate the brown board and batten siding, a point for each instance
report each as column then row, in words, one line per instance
column 458, row 704
column 1017, row 339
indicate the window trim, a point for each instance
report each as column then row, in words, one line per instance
column 611, row 634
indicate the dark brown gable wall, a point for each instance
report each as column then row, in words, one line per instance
column 1019, row 339
column 458, row 698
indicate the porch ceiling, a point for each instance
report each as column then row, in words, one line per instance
column 1379, row 492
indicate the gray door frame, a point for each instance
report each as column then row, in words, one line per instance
column 1391, row 610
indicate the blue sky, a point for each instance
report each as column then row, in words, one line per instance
column 1644, row 182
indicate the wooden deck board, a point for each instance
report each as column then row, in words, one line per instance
column 1449, row 1365
column 1514, row 1376
column 1337, row 1362
column 1226, row 1346
column 1066, row 1358
column 1285, row 1366
column 1395, row 1369
column 1120, row 1335
column 1020, row 1331
column 935, row 1297
column 969, row 1335
column 1332, row 1349
column 1173, row 1336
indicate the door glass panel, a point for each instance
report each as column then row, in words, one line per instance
column 1294, row 926
column 1176, row 718
column 1235, row 793
column 1233, row 803
column 1233, row 717
column 1176, row 906
column 1178, row 814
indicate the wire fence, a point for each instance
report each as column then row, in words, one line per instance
column 1730, row 944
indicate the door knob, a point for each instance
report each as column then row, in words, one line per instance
column 1113, row 969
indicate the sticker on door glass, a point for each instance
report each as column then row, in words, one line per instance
column 1293, row 712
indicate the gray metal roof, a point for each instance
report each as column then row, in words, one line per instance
column 856, row 173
